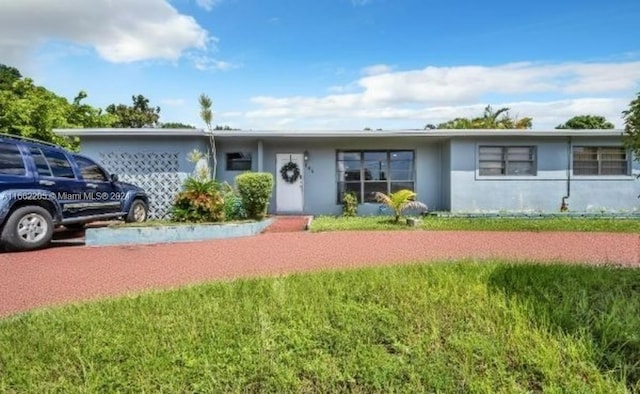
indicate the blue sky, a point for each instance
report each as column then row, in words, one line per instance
column 333, row 64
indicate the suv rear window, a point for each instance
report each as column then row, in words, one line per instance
column 41, row 163
column 58, row 163
column 11, row 162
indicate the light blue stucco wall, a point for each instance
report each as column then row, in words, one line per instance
column 542, row 192
column 148, row 162
column 445, row 174
column 319, row 175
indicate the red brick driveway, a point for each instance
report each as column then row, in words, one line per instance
column 62, row 274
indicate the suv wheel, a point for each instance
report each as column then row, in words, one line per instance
column 138, row 212
column 27, row 228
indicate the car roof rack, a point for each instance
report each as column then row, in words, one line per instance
column 21, row 138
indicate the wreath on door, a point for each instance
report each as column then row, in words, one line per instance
column 290, row 172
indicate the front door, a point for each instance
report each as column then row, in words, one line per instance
column 289, row 192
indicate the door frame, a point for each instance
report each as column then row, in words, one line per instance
column 280, row 183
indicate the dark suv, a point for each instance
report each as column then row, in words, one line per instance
column 43, row 186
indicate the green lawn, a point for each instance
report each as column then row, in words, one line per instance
column 618, row 225
column 448, row 327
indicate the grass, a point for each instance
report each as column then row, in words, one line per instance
column 449, row 327
column 331, row 223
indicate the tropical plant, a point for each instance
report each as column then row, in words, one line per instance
column 199, row 201
column 349, row 205
column 206, row 114
column 255, row 188
column 400, row 201
column 582, row 122
column 491, row 119
column 201, row 162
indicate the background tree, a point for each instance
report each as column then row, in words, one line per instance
column 138, row 115
column 176, row 125
column 491, row 119
column 586, row 122
column 8, row 75
column 631, row 118
column 32, row 111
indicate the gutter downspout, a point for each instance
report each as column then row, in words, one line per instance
column 565, row 206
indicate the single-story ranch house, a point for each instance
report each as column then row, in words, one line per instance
column 450, row 170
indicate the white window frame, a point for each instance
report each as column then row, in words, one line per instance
column 533, row 152
column 600, row 161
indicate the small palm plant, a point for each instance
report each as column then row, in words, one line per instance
column 400, row 201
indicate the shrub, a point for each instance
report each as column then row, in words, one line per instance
column 349, row 205
column 255, row 189
column 233, row 206
column 199, row 201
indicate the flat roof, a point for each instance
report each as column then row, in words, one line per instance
column 130, row 132
column 108, row 132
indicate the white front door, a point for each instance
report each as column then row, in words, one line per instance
column 289, row 196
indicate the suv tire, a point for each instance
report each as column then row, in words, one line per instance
column 139, row 212
column 27, row 228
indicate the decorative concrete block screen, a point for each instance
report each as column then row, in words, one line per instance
column 156, row 172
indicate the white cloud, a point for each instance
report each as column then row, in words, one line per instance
column 204, row 63
column 120, row 31
column 436, row 94
column 173, row 102
column 376, row 69
column 207, row 4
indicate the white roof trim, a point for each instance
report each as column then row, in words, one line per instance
column 439, row 133
column 125, row 132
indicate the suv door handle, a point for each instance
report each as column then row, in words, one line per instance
column 47, row 183
column 92, row 185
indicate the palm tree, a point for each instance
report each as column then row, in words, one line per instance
column 400, row 201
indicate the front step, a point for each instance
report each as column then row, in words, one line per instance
column 288, row 224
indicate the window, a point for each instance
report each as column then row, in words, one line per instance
column 364, row 173
column 239, row 161
column 58, row 163
column 507, row 161
column 41, row 163
column 600, row 160
column 11, row 162
column 90, row 171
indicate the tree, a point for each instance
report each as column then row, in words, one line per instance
column 176, row 125
column 631, row 118
column 8, row 75
column 225, row 127
column 586, row 122
column 206, row 114
column 491, row 119
column 32, row 111
column 84, row 115
column 139, row 115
